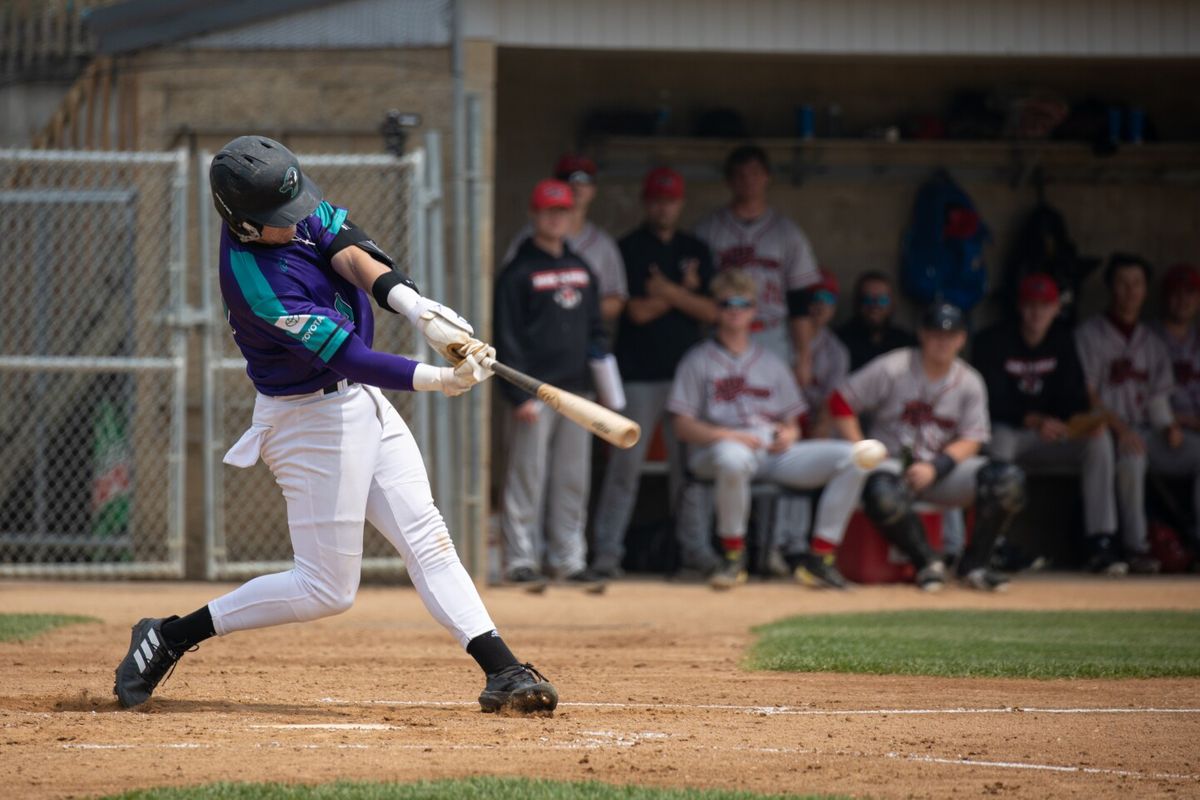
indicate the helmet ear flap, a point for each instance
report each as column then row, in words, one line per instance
column 249, row 232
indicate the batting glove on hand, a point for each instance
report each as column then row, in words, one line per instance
column 443, row 329
column 457, row 380
column 483, row 354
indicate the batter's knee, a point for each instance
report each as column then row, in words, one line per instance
column 885, row 498
column 1001, row 484
column 327, row 595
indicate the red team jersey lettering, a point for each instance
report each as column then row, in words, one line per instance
column 1121, row 370
column 728, row 390
column 919, row 414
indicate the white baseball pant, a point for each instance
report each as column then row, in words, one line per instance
column 1094, row 457
column 808, row 464
column 340, row 459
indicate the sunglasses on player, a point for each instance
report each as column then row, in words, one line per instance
column 824, row 296
column 736, row 302
column 875, row 300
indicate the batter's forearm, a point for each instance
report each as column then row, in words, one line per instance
column 359, row 363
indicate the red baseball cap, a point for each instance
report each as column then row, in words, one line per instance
column 551, row 194
column 828, row 282
column 1037, row 287
column 574, row 167
column 1181, row 277
column 662, row 183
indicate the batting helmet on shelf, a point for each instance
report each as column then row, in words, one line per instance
column 257, row 181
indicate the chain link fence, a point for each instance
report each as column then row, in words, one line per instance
column 92, row 363
column 247, row 523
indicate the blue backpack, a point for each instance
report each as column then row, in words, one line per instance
column 942, row 259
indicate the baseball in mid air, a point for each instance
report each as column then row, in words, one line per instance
column 868, row 453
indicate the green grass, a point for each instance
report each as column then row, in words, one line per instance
column 18, row 627
column 481, row 788
column 993, row 644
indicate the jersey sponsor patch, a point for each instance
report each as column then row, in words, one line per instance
column 293, row 323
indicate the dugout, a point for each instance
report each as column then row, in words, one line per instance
column 889, row 105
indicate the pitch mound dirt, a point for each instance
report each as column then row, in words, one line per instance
column 651, row 688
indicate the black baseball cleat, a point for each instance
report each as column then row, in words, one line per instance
column 587, row 579
column 984, row 579
column 519, row 688
column 819, row 572
column 931, row 577
column 148, row 661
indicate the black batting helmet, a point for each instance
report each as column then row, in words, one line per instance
column 943, row 317
column 257, row 181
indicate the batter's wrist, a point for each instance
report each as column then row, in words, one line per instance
column 428, row 378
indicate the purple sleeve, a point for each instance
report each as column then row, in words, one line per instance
column 359, row 363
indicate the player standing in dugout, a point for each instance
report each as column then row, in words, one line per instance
column 295, row 276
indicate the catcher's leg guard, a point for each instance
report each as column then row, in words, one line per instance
column 887, row 502
column 999, row 495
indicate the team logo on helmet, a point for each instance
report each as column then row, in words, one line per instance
column 291, row 182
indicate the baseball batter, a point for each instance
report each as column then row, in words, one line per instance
column 584, row 238
column 930, row 409
column 1128, row 370
column 751, row 236
column 736, row 405
column 295, row 276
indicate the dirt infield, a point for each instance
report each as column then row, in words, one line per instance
column 651, row 688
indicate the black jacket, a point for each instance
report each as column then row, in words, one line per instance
column 1047, row 379
column 860, row 341
column 547, row 319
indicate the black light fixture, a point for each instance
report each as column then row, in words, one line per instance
column 395, row 129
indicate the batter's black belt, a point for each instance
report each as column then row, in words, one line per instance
column 337, row 386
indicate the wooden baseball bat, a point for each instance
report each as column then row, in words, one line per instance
column 605, row 423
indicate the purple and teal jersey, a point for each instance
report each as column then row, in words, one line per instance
column 289, row 310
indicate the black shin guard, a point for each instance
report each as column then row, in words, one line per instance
column 908, row 535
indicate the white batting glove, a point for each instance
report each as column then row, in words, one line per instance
column 443, row 329
column 483, row 354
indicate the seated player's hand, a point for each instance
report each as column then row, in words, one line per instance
column 1052, row 430
column 1174, row 436
column 920, row 476
column 1129, row 442
column 785, row 437
column 443, row 328
column 744, row 438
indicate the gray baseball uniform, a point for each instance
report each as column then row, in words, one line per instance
column 1132, row 376
column 775, row 252
column 830, row 366
column 1185, row 366
column 911, row 414
column 750, row 392
column 595, row 247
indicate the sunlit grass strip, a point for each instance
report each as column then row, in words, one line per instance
column 19, row 627
column 986, row 644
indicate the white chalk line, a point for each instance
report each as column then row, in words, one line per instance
column 972, row 762
column 332, row 726
column 603, row 739
column 794, row 710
